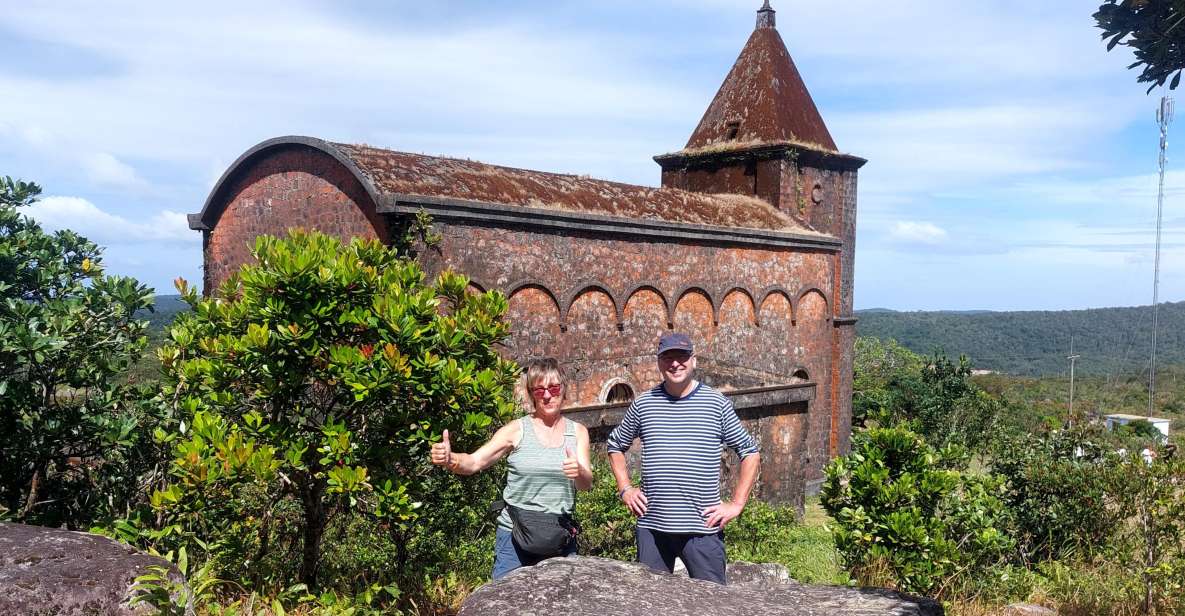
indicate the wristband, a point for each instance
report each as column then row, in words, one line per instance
column 621, row 492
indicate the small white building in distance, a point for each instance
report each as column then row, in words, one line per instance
column 1120, row 419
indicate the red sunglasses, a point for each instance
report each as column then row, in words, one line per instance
column 554, row 390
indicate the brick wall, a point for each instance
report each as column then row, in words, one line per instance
column 598, row 304
column 293, row 187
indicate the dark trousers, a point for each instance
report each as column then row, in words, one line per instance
column 703, row 555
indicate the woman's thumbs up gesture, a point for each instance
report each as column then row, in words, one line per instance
column 571, row 465
column 442, row 452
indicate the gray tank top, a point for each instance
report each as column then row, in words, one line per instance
column 535, row 480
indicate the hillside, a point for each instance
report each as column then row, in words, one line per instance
column 1109, row 340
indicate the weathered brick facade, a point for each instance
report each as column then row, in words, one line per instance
column 747, row 247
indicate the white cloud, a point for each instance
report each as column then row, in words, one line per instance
column 85, row 218
column 103, row 168
column 917, row 233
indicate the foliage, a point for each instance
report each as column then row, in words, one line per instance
column 71, row 442
column 310, row 388
column 1140, row 430
column 608, row 526
column 1153, row 29
column 935, row 397
column 1056, row 489
column 1151, row 495
column 912, row 517
column 879, row 366
column 173, row 591
column 1035, row 343
column 773, row 534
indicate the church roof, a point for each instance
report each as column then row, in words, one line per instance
column 763, row 100
column 406, row 174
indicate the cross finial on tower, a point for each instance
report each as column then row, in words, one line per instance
column 765, row 16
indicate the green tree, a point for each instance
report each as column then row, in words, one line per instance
column 880, row 367
column 67, row 331
column 1151, row 496
column 935, row 395
column 1154, row 29
column 316, row 380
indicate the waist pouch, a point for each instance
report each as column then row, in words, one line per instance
column 541, row 533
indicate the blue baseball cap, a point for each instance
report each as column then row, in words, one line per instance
column 674, row 341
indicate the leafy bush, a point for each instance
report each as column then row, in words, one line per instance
column 934, row 395
column 1140, row 430
column 879, row 367
column 72, row 443
column 1056, row 490
column 1151, row 497
column 910, row 517
column 607, row 524
column 308, row 391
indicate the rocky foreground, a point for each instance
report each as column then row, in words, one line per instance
column 589, row 586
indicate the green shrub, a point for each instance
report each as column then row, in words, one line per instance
column 1150, row 496
column 608, row 526
column 911, row 517
column 1056, row 491
column 308, row 391
column 934, row 395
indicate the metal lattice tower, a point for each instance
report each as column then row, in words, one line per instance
column 1164, row 117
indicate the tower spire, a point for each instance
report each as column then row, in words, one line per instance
column 765, row 16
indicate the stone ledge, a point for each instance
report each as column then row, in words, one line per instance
column 590, row 586
column 608, row 415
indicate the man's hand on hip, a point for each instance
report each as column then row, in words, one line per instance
column 719, row 515
column 635, row 500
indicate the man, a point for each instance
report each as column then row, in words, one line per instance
column 683, row 425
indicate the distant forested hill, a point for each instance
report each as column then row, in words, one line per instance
column 165, row 309
column 1109, row 340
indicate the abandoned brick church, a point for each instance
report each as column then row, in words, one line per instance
column 748, row 246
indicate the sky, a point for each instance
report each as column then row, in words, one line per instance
column 1012, row 160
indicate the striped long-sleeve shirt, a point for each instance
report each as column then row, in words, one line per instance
column 682, row 440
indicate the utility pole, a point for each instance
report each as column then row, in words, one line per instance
column 1164, row 117
column 1072, row 359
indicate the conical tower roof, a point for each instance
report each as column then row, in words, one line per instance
column 763, row 99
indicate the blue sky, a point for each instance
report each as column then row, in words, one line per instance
column 1012, row 161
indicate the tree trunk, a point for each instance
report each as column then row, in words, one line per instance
column 311, row 493
column 34, row 488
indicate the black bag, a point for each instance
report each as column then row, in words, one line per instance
column 541, row 533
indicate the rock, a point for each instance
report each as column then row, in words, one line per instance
column 1027, row 609
column 590, row 586
column 47, row 571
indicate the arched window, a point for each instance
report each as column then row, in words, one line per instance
column 619, row 394
column 801, row 375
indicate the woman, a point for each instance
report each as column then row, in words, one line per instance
column 549, row 461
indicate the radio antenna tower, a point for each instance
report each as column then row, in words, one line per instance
column 1164, row 117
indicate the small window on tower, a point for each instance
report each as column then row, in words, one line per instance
column 731, row 130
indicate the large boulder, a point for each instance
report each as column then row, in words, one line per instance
column 590, row 586
column 47, row 571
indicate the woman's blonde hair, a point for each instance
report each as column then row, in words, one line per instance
column 536, row 371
